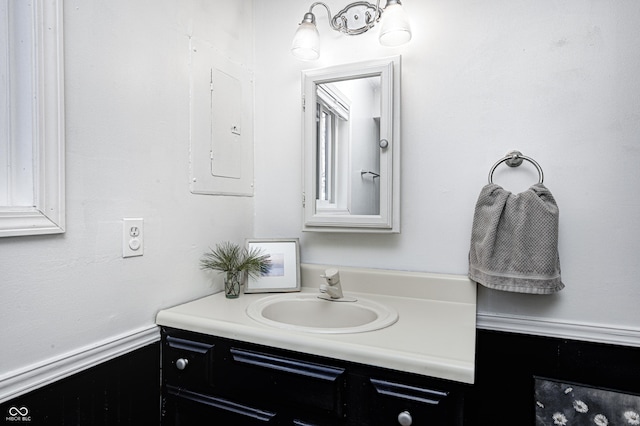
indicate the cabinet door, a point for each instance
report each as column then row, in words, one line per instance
column 297, row 385
column 400, row 404
column 186, row 362
column 187, row 408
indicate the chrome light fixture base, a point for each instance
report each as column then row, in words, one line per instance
column 356, row 18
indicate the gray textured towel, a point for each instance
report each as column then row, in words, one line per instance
column 514, row 241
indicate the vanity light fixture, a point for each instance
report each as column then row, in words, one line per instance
column 356, row 18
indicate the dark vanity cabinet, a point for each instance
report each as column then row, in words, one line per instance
column 217, row 381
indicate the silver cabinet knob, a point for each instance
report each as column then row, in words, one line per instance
column 182, row 363
column 404, row 419
column 384, row 143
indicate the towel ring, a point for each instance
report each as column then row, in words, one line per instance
column 514, row 159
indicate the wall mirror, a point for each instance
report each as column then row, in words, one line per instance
column 351, row 128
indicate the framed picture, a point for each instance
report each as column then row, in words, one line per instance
column 284, row 274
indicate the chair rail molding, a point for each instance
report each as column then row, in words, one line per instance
column 591, row 332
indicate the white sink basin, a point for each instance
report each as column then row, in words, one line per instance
column 307, row 312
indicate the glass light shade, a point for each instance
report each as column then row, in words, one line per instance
column 395, row 28
column 306, row 42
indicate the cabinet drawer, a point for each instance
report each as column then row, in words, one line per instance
column 415, row 405
column 299, row 385
column 184, row 407
column 187, row 363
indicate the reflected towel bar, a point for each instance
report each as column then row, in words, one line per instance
column 368, row 172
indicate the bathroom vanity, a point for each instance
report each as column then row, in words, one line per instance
column 220, row 365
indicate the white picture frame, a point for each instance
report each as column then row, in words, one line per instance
column 284, row 276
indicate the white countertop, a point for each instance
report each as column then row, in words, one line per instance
column 434, row 335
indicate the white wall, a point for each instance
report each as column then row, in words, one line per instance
column 127, row 113
column 555, row 80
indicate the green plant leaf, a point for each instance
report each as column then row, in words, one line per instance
column 229, row 256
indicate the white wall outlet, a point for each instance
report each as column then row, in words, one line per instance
column 132, row 237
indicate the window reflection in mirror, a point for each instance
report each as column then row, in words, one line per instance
column 348, row 133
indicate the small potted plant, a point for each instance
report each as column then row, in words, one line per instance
column 237, row 263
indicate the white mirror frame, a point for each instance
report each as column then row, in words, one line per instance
column 388, row 221
column 47, row 216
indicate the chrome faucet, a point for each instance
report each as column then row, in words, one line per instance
column 332, row 290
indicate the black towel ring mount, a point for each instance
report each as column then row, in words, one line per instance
column 514, row 159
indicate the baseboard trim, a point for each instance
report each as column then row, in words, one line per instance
column 48, row 371
column 560, row 329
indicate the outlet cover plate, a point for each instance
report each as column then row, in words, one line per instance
column 132, row 237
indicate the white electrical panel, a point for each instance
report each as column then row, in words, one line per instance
column 221, row 142
column 226, row 120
